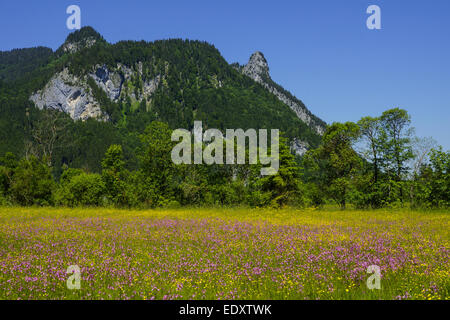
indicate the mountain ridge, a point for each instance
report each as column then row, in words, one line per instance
column 258, row 69
column 128, row 84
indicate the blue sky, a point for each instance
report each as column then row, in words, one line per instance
column 320, row 50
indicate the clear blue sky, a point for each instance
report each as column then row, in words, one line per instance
column 320, row 50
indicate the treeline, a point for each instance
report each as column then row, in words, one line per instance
column 370, row 164
column 158, row 182
column 377, row 163
column 18, row 63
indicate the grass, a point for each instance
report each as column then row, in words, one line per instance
column 223, row 253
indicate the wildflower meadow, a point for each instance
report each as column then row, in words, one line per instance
column 215, row 254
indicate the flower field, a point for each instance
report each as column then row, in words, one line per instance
column 223, row 254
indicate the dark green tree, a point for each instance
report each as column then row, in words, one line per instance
column 114, row 175
column 396, row 124
column 284, row 185
column 397, row 150
column 32, row 183
column 156, row 163
column 335, row 163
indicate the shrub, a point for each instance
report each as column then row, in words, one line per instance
column 8, row 164
column 82, row 190
column 3, row 201
column 314, row 195
column 32, row 183
column 4, row 181
column 68, row 174
column 259, row 198
column 137, row 194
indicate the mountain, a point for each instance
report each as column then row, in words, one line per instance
column 111, row 92
column 84, row 38
column 17, row 63
column 258, row 69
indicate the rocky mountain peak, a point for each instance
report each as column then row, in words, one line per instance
column 84, row 38
column 257, row 67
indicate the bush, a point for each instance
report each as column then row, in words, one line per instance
column 82, row 190
column 299, row 199
column 192, row 193
column 314, row 195
column 68, row 174
column 8, row 165
column 3, row 201
column 4, row 180
column 259, row 199
column 32, row 183
column 136, row 192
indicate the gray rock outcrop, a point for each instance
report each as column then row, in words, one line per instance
column 72, row 47
column 65, row 93
column 111, row 83
column 299, row 147
column 72, row 95
column 258, row 69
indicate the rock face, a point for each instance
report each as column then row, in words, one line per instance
column 149, row 87
column 66, row 93
column 111, row 83
column 299, row 147
column 258, row 69
column 72, row 47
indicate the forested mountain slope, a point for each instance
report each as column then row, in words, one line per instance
column 108, row 93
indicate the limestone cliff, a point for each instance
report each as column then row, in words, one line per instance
column 258, row 69
column 69, row 94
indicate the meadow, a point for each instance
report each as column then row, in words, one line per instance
column 223, row 253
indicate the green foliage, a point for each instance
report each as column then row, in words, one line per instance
column 432, row 187
column 193, row 186
column 440, row 178
column 284, row 185
column 314, row 195
column 18, row 63
column 396, row 148
column 68, row 174
column 32, row 183
column 335, row 163
column 83, row 34
column 137, row 193
column 156, row 163
column 259, row 199
column 226, row 194
column 80, row 189
column 114, row 176
column 8, row 165
column 196, row 84
column 387, row 142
